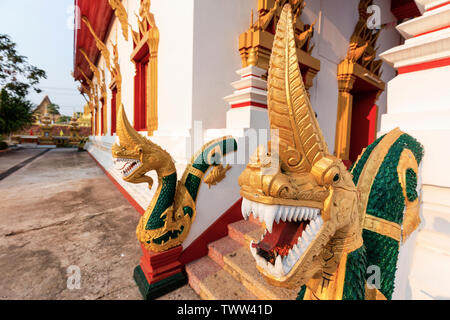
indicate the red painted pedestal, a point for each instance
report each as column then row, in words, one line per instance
column 159, row 272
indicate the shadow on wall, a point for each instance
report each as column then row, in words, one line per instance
column 441, row 225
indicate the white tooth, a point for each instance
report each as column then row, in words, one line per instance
column 245, row 208
column 270, row 211
column 301, row 215
column 287, row 211
column 290, row 214
column 278, row 267
column 260, row 209
column 297, row 211
column 296, row 249
column 314, row 226
column 284, row 213
column 261, row 261
column 308, row 229
column 311, row 214
column 316, row 212
column 306, row 237
column 278, row 214
column 254, row 210
column 319, row 221
column 306, row 214
column 292, row 257
column 286, row 265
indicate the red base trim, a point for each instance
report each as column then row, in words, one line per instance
column 248, row 104
column 439, row 6
column 424, row 66
column 253, row 87
column 431, row 31
column 160, row 265
column 251, row 75
column 216, row 231
column 121, row 189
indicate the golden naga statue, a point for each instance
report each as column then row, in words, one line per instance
column 326, row 226
column 168, row 219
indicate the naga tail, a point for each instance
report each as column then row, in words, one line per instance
column 386, row 177
column 211, row 154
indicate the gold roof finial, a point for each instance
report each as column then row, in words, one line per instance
column 290, row 112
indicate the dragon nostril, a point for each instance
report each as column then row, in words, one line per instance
column 336, row 177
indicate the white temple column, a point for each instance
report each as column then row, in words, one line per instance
column 419, row 103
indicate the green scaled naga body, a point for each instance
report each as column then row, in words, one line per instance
column 168, row 219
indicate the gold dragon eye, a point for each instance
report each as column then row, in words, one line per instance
column 332, row 176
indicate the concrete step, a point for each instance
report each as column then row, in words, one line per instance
column 218, row 249
column 242, row 266
column 243, row 231
column 229, row 271
column 238, row 261
column 211, row 282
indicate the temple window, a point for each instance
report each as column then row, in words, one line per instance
column 145, row 58
column 113, row 110
column 141, row 61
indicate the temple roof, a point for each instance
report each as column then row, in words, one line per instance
column 99, row 14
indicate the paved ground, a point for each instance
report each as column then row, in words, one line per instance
column 61, row 210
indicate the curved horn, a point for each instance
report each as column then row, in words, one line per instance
column 126, row 133
column 301, row 140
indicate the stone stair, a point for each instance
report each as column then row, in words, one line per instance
column 229, row 271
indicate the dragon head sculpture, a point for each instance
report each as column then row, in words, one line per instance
column 135, row 155
column 304, row 195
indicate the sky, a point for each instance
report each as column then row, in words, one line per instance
column 43, row 32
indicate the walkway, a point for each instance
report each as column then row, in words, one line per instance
column 59, row 211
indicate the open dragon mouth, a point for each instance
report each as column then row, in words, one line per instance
column 285, row 241
column 126, row 166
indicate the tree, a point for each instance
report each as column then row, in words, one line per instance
column 63, row 119
column 17, row 78
column 53, row 109
column 15, row 112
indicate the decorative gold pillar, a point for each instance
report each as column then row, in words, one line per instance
column 359, row 73
column 344, row 116
column 152, row 85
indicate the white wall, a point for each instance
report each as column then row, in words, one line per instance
column 217, row 26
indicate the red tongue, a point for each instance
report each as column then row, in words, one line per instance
column 283, row 233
